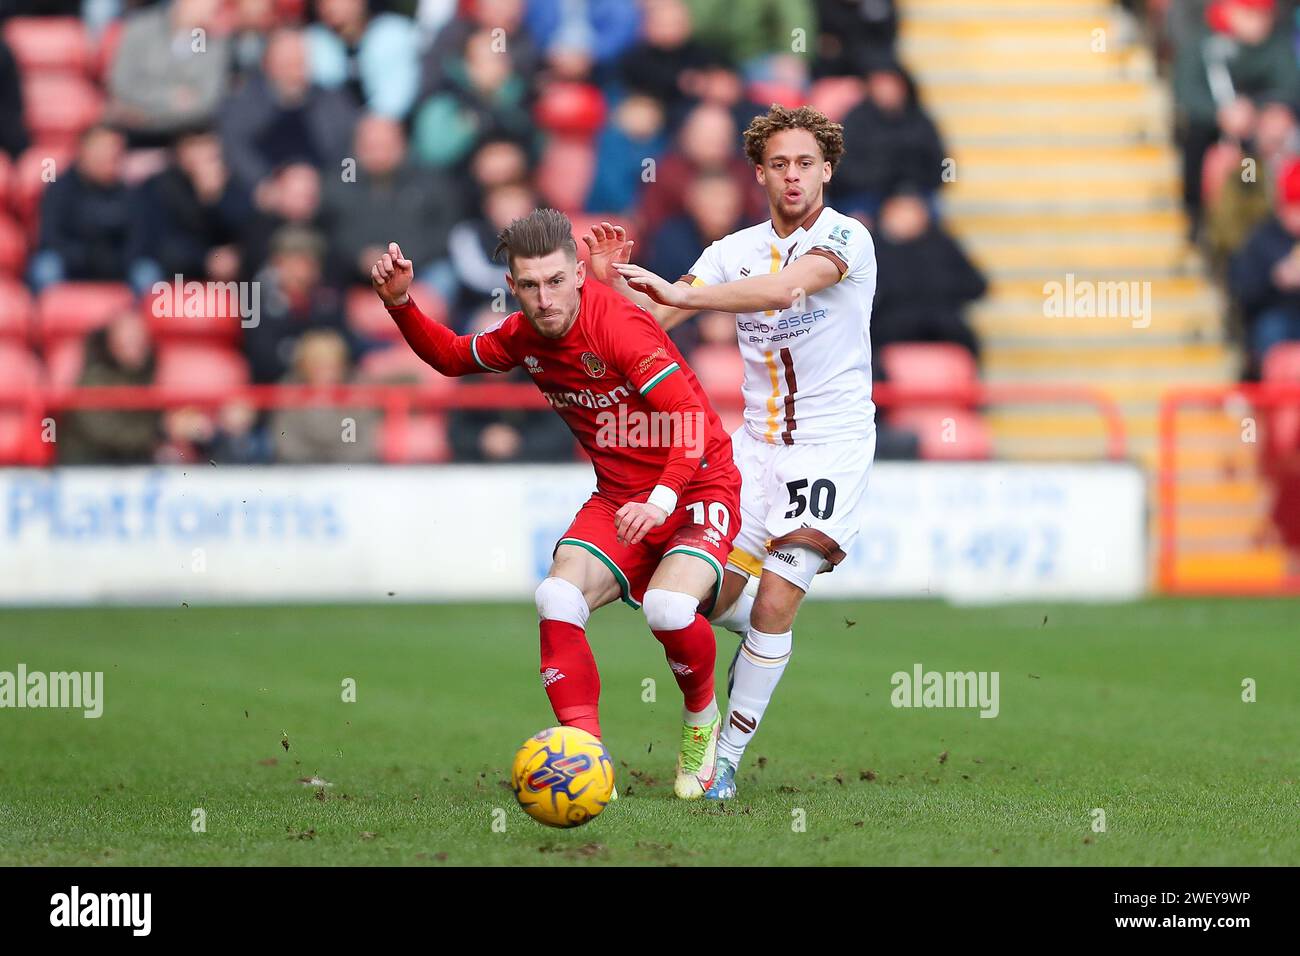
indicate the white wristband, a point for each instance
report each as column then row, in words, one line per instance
column 663, row 497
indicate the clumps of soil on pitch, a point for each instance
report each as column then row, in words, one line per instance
column 586, row 851
column 368, row 835
column 643, row 778
column 762, row 763
column 867, row 775
column 943, row 758
column 786, row 788
column 268, row 762
column 301, row 834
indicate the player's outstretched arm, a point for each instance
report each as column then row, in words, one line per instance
column 609, row 245
column 436, row 344
column 762, row 293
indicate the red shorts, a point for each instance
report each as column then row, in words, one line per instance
column 705, row 522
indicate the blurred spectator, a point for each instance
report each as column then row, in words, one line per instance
column 482, row 278
column 253, row 23
column 169, row 73
column 707, row 141
column 280, row 117
column 498, row 161
column 664, row 61
column 1240, row 54
column 13, row 132
column 120, row 353
column 289, row 197
column 374, row 59
column 923, row 282
column 1240, row 203
column 390, row 199
column 323, row 434
column 480, row 95
column 85, row 217
column 506, row 16
column 890, row 144
column 238, row 438
column 293, row 300
column 1264, row 277
column 577, row 36
column 510, row 435
column 761, row 37
column 635, row 135
column 190, row 217
column 852, row 35
column 715, row 207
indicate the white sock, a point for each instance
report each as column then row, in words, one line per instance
column 736, row 617
column 759, row 668
column 700, row 718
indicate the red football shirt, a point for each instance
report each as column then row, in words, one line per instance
column 615, row 378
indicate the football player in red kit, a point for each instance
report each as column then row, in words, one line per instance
column 658, row 529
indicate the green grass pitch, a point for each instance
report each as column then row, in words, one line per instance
column 1134, row 709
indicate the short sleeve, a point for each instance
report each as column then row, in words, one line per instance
column 708, row 268
column 850, row 247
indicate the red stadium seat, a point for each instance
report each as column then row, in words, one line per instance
column 200, row 367
column 565, row 173
column 397, row 365
column 719, row 368
column 21, row 372
column 63, row 361
column 73, row 309
column 836, row 96
column 368, row 318
column 15, row 311
column 35, row 170
column 570, row 109
column 946, row 434
column 767, row 93
column 45, row 44
column 1282, row 363
column 107, row 50
column 13, row 247
column 420, row 438
column 207, row 311
column 20, row 438
column 59, row 106
column 6, row 180
column 928, row 365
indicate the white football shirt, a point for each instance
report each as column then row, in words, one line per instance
column 807, row 370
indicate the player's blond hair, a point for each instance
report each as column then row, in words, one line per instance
column 539, row 233
column 829, row 136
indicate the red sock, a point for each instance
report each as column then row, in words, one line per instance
column 691, row 653
column 570, row 677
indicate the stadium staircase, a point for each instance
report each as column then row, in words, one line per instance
column 1065, row 164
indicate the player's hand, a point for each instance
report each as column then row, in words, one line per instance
column 391, row 276
column 636, row 519
column 658, row 288
column 608, row 244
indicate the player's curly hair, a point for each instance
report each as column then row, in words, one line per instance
column 539, row 233
column 829, row 136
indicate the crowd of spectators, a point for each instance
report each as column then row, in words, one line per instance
column 285, row 142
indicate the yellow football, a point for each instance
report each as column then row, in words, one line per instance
column 563, row 777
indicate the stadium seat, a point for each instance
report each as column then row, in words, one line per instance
column 398, row 365
column 32, row 173
column 946, row 434
column 201, row 367
column 59, row 106
column 21, row 372
column 107, row 50
column 420, row 438
column 13, row 247
column 63, row 361
column 6, row 180
column 74, row 309
column 928, row 365
column 1282, row 363
column 565, row 173
column 836, row 96
column 582, row 223
column 20, row 438
column 49, row 44
column 766, row 93
column 213, row 316
column 15, row 311
column 368, row 318
column 570, row 109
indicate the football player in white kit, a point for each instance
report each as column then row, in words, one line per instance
column 801, row 285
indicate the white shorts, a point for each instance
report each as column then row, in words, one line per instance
column 816, row 492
